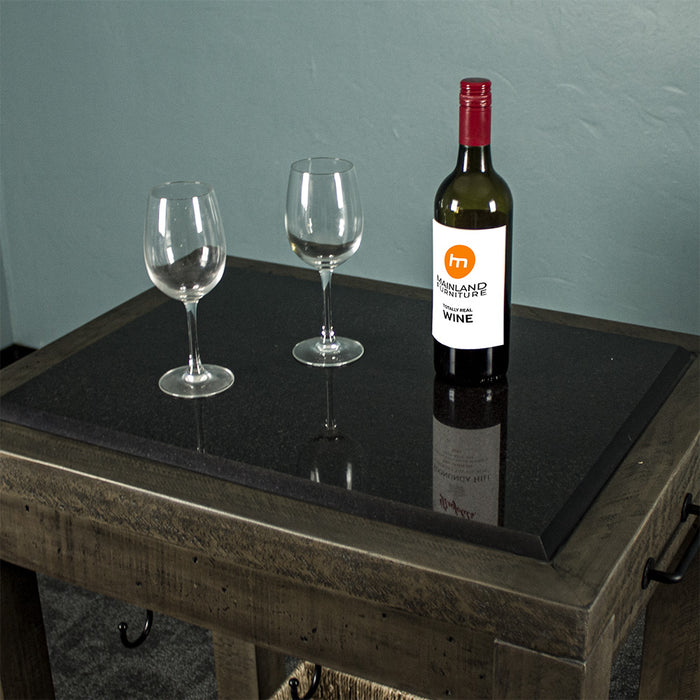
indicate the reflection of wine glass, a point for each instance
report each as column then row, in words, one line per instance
column 199, row 425
column 330, row 457
column 185, row 252
column 324, row 225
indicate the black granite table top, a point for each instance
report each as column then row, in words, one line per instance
column 575, row 402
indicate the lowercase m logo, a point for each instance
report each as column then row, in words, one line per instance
column 459, row 261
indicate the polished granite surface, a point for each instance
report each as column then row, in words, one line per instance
column 576, row 401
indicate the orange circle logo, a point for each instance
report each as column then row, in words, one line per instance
column 459, row 261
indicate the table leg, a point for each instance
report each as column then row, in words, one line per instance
column 244, row 670
column 524, row 673
column 25, row 671
column 670, row 657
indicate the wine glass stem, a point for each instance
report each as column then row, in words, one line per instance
column 327, row 333
column 194, row 365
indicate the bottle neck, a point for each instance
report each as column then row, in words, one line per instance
column 474, row 137
column 475, row 159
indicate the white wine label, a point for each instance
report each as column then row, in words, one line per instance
column 468, row 286
column 466, row 466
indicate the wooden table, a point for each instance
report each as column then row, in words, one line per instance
column 272, row 575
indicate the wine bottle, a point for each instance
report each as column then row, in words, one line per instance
column 469, row 450
column 472, row 243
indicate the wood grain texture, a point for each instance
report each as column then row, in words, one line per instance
column 356, row 636
column 352, row 594
column 523, row 673
column 639, row 509
column 246, row 671
column 312, row 546
column 330, row 544
column 671, row 653
column 24, row 656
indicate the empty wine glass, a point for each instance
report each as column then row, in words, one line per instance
column 185, row 252
column 324, row 225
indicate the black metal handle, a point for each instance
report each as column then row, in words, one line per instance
column 294, row 685
column 689, row 508
column 142, row 637
column 651, row 574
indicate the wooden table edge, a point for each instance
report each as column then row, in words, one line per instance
column 574, row 593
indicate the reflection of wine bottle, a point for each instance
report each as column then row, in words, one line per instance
column 472, row 241
column 469, row 442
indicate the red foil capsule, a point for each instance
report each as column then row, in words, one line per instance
column 475, row 112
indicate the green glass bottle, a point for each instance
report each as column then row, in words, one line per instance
column 472, row 244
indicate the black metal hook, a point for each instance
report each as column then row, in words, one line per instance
column 142, row 637
column 294, row 685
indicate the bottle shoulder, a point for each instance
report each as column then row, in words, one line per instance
column 475, row 190
column 474, row 200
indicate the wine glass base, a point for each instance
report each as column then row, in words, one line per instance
column 342, row 352
column 213, row 380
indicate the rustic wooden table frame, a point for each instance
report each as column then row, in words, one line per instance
column 269, row 575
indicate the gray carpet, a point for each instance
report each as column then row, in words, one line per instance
column 176, row 662
column 88, row 660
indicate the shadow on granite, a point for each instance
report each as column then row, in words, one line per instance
column 176, row 662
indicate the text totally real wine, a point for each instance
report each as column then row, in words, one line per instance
column 472, row 244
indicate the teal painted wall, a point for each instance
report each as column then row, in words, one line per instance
column 6, row 334
column 596, row 129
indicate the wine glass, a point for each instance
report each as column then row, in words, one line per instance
column 324, row 225
column 185, row 252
